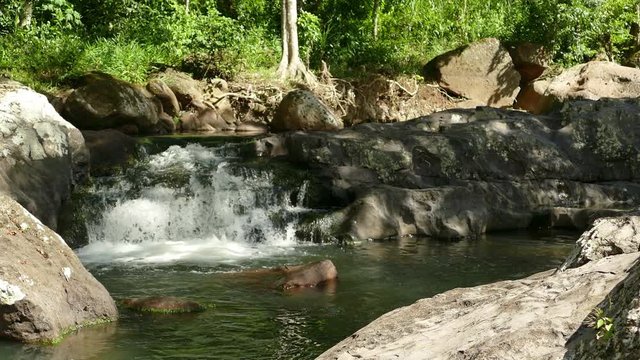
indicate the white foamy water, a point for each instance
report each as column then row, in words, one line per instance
column 213, row 217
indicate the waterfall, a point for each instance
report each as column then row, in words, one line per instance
column 190, row 204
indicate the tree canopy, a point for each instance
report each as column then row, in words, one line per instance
column 129, row 38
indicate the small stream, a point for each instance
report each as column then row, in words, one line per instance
column 188, row 219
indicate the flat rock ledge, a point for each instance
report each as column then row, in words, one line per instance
column 532, row 318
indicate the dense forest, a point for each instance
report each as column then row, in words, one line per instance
column 47, row 42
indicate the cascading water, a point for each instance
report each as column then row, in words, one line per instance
column 190, row 204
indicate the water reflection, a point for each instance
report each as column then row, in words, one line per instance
column 88, row 343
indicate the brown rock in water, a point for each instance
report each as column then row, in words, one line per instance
column 45, row 292
column 307, row 275
column 302, row 110
column 163, row 304
column 480, row 71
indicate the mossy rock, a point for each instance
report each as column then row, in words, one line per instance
column 163, row 305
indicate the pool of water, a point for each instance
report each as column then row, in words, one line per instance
column 253, row 320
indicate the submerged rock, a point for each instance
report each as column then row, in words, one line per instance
column 42, row 156
column 163, row 304
column 45, row 292
column 307, row 275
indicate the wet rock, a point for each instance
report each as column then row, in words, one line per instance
column 596, row 80
column 104, row 102
column 111, row 150
column 42, row 155
column 532, row 318
column 163, row 304
column 481, row 71
column 307, row 275
column 45, row 292
column 301, row 110
column 608, row 236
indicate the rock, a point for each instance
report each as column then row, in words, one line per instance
column 307, row 275
column 622, row 308
column 111, row 151
column 163, row 304
column 463, row 172
column 532, row 318
column 42, row 155
column 45, row 292
column 481, row 71
column 534, row 98
column 252, row 127
column 580, row 218
column 185, row 88
column 530, row 60
column 104, row 102
column 168, row 99
column 608, row 236
column 301, row 110
column 596, row 80
column 206, row 120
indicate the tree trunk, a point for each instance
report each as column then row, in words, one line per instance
column 294, row 68
column 284, row 61
column 186, row 7
column 26, row 14
column 376, row 18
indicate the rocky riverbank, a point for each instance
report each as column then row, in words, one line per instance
column 557, row 314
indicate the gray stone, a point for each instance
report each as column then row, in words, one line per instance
column 45, row 292
column 42, row 156
column 608, row 236
column 463, row 172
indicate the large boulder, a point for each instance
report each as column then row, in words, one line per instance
column 481, row 71
column 608, row 236
column 104, row 102
column 45, row 292
column 302, row 110
column 42, row 155
column 534, row 98
column 463, row 172
column 596, row 80
column 532, row 318
column 205, row 120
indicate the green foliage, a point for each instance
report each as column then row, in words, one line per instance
column 602, row 324
column 129, row 38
